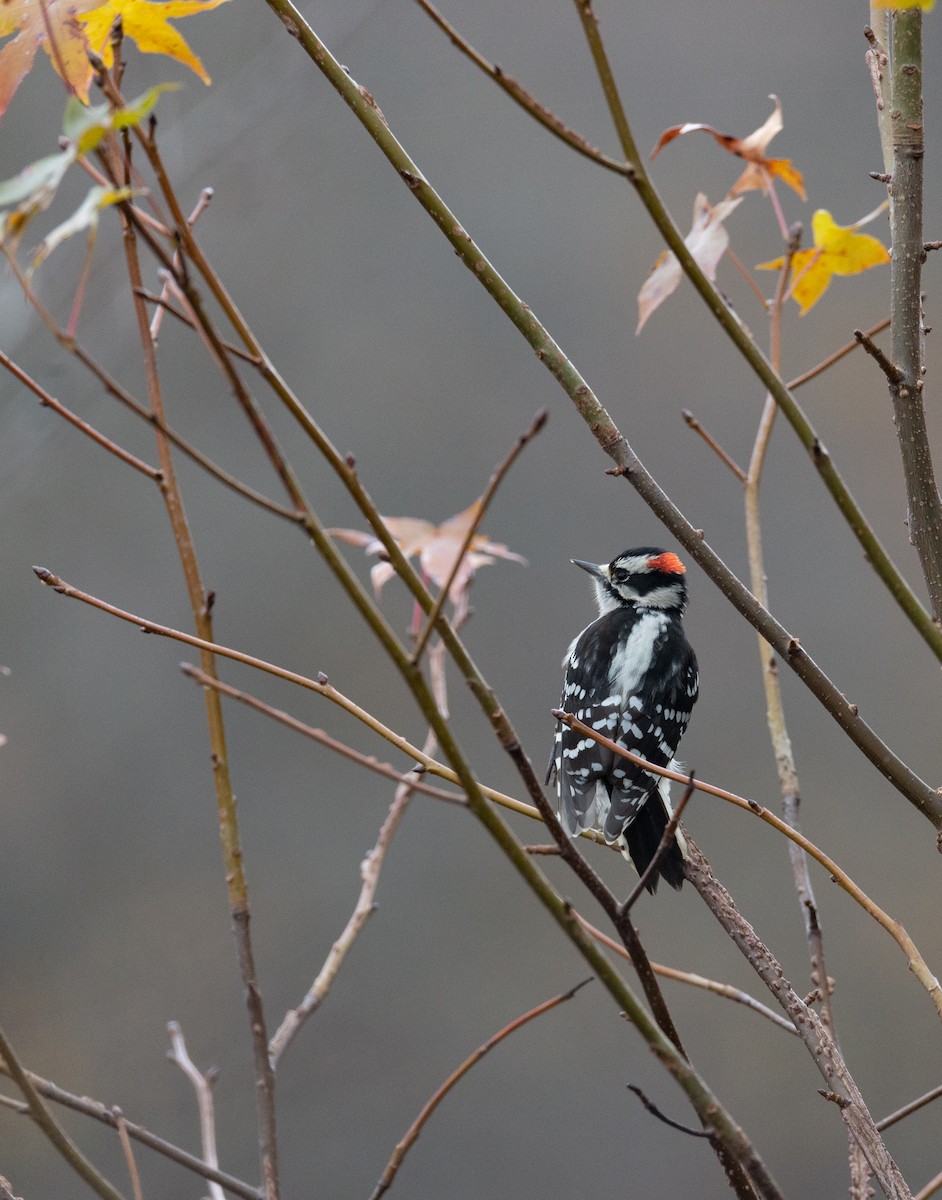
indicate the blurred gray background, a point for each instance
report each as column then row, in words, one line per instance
column 112, row 900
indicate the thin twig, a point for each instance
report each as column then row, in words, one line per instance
column 324, row 739
column 49, row 401
column 203, row 1087
column 370, row 869
column 714, row 445
column 114, row 389
column 656, row 1112
column 814, row 372
column 786, row 767
column 100, row 1112
column 126, row 1148
column 163, row 303
column 483, row 504
column 51, row 1127
column 412, row 1133
column 892, row 372
column 237, row 892
column 911, row 1107
column 726, row 990
column 667, row 840
column 527, row 102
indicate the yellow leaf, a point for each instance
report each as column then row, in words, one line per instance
column 148, row 25
column 925, row 5
column 838, row 250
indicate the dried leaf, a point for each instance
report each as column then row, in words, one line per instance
column 838, row 250
column 706, row 241
column 752, row 149
column 436, row 547
column 148, row 25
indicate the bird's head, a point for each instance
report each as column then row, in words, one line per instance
column 645, row 577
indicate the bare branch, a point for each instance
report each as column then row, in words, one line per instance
column 714, row 445
column 656, row 1112
column 51, row 1127
column 100, row 1112
column 908, row 1109
column 203, row 1087
column 527, row 102
column 412, row 1133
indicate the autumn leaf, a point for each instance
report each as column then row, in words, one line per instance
column 925, row 5
column 706, row 241
column 148, row 25
column 52, row 24
column 752, row 149
column 838, row 250
column 436, row 547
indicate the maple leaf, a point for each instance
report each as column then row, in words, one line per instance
column 838, row 250
column 706, row 241
column 752, row 149
column 436, row 546
column 148, row 25
column 52, row 24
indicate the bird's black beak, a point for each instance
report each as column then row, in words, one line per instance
column 599, row 570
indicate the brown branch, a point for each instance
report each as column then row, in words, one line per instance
column 911, row 1107
column 128, row 1151
column 100, row 1112
column 726, row 990
column 656, row 1112
column 412, row 1133
column 48, row 401
column 527, row 102
column 370, row 869
column 237, row 892
column 814, row 372
column 324, row 739
column 714, row 445
column 819, row 1042
column 51, row 1127
column 492, row 485
column 892, row 372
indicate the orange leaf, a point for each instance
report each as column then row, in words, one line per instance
column 706, row 241
column 752, row 149
column 148, row 25
column 53, row 25
column 838, row 250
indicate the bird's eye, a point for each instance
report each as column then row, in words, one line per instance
column 619, row 575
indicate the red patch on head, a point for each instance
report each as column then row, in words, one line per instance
column 670, row 564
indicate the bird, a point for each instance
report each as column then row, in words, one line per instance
column 632, row 676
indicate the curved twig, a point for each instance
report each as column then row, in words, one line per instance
column 412, row 1133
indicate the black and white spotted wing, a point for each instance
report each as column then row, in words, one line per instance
column 646, row 682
